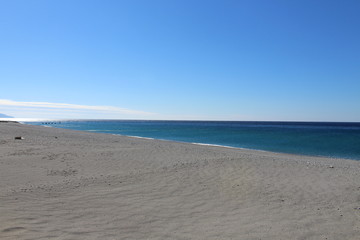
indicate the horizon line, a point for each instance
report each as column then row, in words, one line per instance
column 169, row 120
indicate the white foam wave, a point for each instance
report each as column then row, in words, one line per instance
column 215, row 145
column 144, row 138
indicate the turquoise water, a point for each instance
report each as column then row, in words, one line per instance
column 340, row 140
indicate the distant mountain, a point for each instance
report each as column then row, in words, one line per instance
column 5, row 116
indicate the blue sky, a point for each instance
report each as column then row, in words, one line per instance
column 205, row 60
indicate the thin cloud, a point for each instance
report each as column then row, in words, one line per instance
column 46, row 106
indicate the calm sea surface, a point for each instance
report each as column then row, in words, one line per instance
column 341, row 140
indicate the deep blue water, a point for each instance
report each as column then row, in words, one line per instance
column 341, row 140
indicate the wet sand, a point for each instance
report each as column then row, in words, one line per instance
column 63, row 184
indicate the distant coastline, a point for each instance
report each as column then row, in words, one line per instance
column 8, row 121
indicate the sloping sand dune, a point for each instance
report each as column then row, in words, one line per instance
column 62, row 184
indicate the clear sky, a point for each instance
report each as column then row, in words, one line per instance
column 295, row 60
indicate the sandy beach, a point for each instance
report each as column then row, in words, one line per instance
column 63, row 184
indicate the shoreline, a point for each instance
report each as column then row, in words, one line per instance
column 59, row 183
column 230, row 147
column 206, row 144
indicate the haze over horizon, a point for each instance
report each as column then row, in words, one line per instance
column 181, row 60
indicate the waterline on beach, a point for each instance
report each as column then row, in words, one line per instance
column 335, row 140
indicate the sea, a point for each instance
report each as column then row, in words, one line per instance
column 328, row 139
